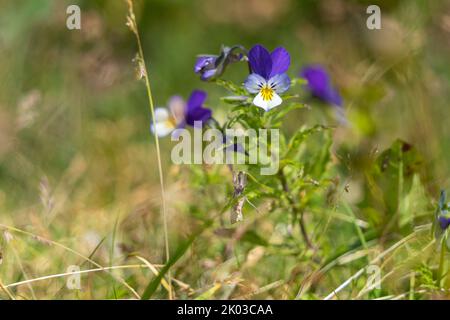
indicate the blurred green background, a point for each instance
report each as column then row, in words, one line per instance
column 78, row 163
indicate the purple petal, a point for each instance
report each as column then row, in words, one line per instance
column 280, row 83
column 254, row 83
column 198, row 114
column 260, row 61
column 208, row 74
column 317, row 77
column 195, row 110
column 444, row 222
column 319, row 84
column 281, row 60
column 196, row 99
column 203, row 62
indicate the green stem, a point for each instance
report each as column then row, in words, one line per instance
column 441, row 262
column 135, row 30
column 298, row 214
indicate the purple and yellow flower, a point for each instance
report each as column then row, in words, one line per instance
column 320, row 85
column 213, row 66
column 268, row 78
column 180, row 113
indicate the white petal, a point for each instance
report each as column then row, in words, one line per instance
column 161, row 114
column 267, row 104
column 162, row 129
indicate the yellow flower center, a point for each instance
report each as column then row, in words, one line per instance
column 267, row 93
column 171, row 122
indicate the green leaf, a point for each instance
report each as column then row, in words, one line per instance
column 278, row 113
column 237, row 100
column 248, row 115
column 321, row 159
column 210, row 292
column 230, row 86
column 300, row 136
column 393, row 172
column 254, row 238
column 413, row 204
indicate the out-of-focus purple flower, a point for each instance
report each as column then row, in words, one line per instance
column 180, row 113
column 212, row 66
column 442, row 218
column 195, row 110
column 320, row 85
column 268, row 78
column 444, row 222
column 206, row 67
column 442, row 212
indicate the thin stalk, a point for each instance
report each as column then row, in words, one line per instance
column 67, row 274
column 412, row 282
column 441, row 262
column 25, row 275
column 8, row 293
column 301, row 222
column 144, row 72
column 297, row 213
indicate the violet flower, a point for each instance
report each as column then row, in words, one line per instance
column 443, row 214
column 268, row 78
column 444, row 222
column 320, row 86
column 213, row 66
column 179, row 113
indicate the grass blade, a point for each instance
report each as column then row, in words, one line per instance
column 154, row 284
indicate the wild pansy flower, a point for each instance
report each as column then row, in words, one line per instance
column 320, row 86
column 443, row 214
column 268, row 78
column 213, row 66
column 180, row 113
